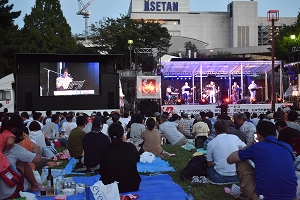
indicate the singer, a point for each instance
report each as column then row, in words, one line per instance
column 63, row 81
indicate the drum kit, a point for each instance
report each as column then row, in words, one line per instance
column 173, row 97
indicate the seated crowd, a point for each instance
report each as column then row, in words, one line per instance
column 101, row 143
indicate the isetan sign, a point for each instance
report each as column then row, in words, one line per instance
column 164, row 6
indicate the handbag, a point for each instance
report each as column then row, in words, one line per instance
column 11, row 176
column 49, row 151
column 103, row 192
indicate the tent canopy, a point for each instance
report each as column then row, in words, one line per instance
column 192, row 66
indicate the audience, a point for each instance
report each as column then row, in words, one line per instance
column 118, row 161
column 171, row 132
column 36, row 134
column 93, row 143
column 247, row 127
column 218, row 170
column 274, row 173
column 68, row 126
column 286, row 133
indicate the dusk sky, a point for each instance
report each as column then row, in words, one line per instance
column 113, row 8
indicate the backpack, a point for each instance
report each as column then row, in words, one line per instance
column 295, row 144
column 195, row 167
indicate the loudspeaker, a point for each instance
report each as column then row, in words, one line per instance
column 148, row 107
column 147, row 64
column 242, row 101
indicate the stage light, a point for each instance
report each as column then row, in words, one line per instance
column 227, row 100
column 203, row 101
column 178, row 102
column 253, row 101
column 279, row 100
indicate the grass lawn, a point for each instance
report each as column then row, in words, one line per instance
column 209, row 192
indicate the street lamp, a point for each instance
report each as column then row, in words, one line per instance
column 130, row 42
column 273, row 16
column 291, row 53
column 293, row 37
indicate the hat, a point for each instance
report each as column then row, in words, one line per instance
column 94, row 114
column 97, row 124
column 156, row 114
column 175, row 111
column 197, row 154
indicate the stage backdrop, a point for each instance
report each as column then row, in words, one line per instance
column 148, row 87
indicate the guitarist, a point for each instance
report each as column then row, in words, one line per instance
column 62, row 82
column 252, row 88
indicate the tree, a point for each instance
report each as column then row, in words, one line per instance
column 46, row 30
column 10, row 38
column 111, row 36
column 284, row 42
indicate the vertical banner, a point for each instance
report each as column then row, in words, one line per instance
column 148, row 87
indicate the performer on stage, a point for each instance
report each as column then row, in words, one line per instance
column 62, row 82
column 252, row 88
column 168, row 94
column 185, row 91
column 212, row 90
column 233, row 99
column 236, row 89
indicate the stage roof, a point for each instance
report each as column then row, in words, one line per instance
column 189, row 67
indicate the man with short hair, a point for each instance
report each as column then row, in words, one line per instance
column 247, row 127
column 218, row 150
column 36, row 117
column 292, row 117
column 286, row 132
column 274, row 173
column 93, row 143
column 75, row 140
column 50, row 128
column 48, row 117
column 236, row 132
column 25, row 117
column 187, row 124
column 170, row 131
column 255, row 119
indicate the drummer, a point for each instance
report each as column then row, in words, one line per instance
column 169, row 94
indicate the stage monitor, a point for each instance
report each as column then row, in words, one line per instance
column 69, row 78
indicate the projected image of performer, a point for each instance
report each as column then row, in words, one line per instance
column 211, row 89
column 169, row 94
column 236, row 90
column 185, row 91
column 252, row 88
column 62, row 82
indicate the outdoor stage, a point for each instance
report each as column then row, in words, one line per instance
column 232, row 108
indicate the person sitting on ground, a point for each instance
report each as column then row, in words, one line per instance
column 152, row 140
column 254, row 119
column 170, row 131
column 286, row 133
column 176, row 118
column 292, row 117
column 68, row 126
column 36, row 134
column 93, row 143
column 18, row 158
column 36, row 117
column 187, row 124
column 75, row 141
column 50, row 129
column 247, row 127
column 200, row 128
column 25, row 118
column 218, row 150
column 274, row 174
column 48, row 117
column 118, row 161
column 206, row 120
column 238, row 133
column 137, row 127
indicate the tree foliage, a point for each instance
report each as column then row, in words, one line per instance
column 284, row 42
column 111, row 36
column 46, row 30
column 10, row 38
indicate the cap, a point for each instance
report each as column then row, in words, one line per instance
column 94, row 114
column 97, row 124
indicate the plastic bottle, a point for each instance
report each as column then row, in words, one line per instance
column 57, row 188
column 189, row 197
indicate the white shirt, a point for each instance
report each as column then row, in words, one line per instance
column 219, row 149
column 183, row 91
column 67, row 127
column 169, row 130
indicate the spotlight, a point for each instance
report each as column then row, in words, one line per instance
column 253, row 101
column 227, row 100
column 279, row 100
column 178, row 102
column 203, row 101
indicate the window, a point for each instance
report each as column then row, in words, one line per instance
column 5, row 95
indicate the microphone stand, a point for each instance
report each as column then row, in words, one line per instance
column 48, row 77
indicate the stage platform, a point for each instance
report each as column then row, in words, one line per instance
column 232, row 108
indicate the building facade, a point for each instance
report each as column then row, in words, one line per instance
column 239, row 27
